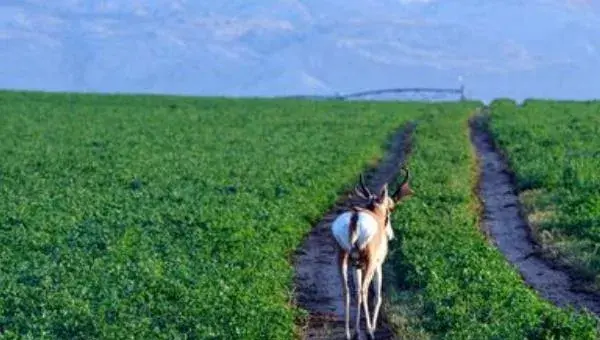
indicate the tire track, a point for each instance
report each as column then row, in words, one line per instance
column 502, row 221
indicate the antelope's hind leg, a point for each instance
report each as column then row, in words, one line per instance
column 378, row 285
column 359, row 281
column 371, row 269
column 343, row 266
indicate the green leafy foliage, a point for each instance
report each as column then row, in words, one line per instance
column 163, row 217
column 553, row 149
column 154, row 217
column 466, row 287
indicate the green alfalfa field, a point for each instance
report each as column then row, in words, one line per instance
column 449, row 282
column 156, row 217
column 553, row 148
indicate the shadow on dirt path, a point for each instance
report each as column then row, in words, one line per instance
column 506, row 228
column 318, row 285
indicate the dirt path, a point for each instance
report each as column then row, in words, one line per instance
column 318, row 288
column 503, row 222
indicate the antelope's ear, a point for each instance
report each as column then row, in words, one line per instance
column 405, row 191
column 384, row 190
column 383, row 194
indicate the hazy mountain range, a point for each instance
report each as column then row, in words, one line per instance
column 502, row 48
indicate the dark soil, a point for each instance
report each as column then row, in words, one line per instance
column 318, row 283
column 504, row 224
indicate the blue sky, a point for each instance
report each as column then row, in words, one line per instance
column 517, row 49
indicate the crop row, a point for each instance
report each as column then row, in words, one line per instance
column 459, row 285
column 553, row 149
column 162, row 217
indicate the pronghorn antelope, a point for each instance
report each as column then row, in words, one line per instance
column 362, row 235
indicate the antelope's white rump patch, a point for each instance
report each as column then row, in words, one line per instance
column 366, row 227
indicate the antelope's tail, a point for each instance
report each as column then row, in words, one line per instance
column 353, row 235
